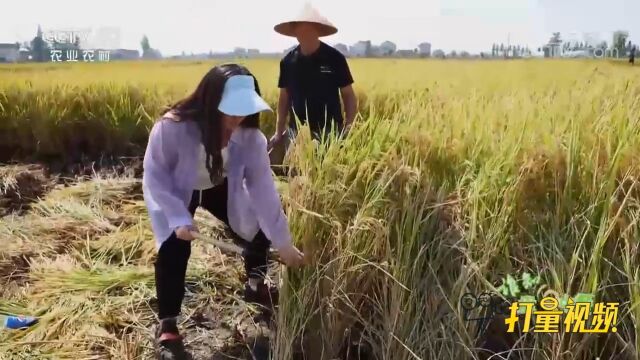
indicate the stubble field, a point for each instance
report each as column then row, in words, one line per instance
column 459, row 175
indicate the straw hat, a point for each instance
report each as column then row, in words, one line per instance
column 309, row 15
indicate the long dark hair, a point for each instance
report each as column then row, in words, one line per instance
column 202, row 107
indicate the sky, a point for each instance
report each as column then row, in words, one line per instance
column 197, row 26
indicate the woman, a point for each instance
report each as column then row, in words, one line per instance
column 208, row 151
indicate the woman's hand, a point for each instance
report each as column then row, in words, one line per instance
column 185, row 233
column 291, row 256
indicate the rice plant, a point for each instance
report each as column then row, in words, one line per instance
column 457, row 176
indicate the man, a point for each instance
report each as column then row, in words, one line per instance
column 632, row 55
column 314, row 77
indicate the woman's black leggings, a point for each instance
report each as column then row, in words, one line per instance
column 173, row 256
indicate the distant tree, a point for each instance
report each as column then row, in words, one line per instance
column 465, row 54
column 39, row 48
column 147, row 51
column 146, row 46
column 453, row 54
column 438, row 54
column 554, row 42
column 501, row 49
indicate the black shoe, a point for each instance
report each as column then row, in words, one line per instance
column 170, row 349
column 264, row 295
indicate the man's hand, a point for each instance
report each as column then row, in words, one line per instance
column 291, row 256
column 185, row 233
column 346, row 129
column 275, row 140
column 350, row 105
column 281, row 122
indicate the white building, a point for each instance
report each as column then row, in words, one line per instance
column 9, row 52
column 424, row 49
column 24, row 54
column 388, row 48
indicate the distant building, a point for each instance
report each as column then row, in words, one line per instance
column 9, row 52
column 424, row 49
column 344, row 49
column 361, row 48
column 24, row 54
column 253, row 52
column 406, row 53
column 150, row 54
column 124, row 54
column 387, row 48
column 240, row 52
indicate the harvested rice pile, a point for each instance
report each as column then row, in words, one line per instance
column 81, row 259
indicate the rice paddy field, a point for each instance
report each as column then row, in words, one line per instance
column 460, row 177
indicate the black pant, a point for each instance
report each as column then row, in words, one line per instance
column 173, row 256
column 319, row 130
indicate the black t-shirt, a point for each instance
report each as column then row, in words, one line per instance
column 313, row 83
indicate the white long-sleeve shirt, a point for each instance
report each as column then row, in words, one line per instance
column 170, row 174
